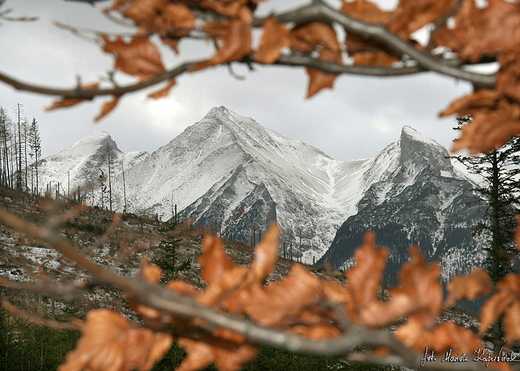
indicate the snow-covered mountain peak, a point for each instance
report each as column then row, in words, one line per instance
column 98, row 140
column 420, row 150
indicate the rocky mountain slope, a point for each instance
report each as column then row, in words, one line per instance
column 421, row 199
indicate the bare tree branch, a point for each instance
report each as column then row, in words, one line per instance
column 66, row 292
column 318, row 11
column 89, row 94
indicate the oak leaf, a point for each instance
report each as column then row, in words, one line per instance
column 214, row 260
column 140, row 57
column 414, row 333
column 175, row 22
column 110, row 343
column 492, row 125
column 266, row 253
column 461, row 340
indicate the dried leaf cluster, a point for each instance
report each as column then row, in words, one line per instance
column 380, row 41
column 300, row 304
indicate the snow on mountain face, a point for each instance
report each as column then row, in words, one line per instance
column 82, row 163
column 229, row 172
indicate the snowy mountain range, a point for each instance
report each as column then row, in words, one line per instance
column 228, row 171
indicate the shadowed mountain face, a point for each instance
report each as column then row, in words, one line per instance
column 229, row 172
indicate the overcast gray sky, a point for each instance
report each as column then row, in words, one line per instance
column 356, row 119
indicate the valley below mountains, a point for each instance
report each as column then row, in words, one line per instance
column 229, row 172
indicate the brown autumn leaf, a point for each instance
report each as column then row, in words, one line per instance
column 419, row 294
column 229, row 8
column 110, row 342
column 508, row 76
column 412, row 15
column 67, row 102
column 491, row 127
column 482, row 32
column 266, row 253
column 450, row 336
column 214, row 260
column 470, row 286
column 108, row 107
column 517, row 232
column 274, row 39
column 414, row 333
column 175, row 22
column 164, row 91
column 368, row 52
column 140, row 57
column 420, row 284
column 317, row 36
column 179, row 20
column 226, row 349
column 236, row 38
column 364, row 278
column 142, row 12
column 508, row 290
column 512, row 322
column 283, row 300
column 151, row 273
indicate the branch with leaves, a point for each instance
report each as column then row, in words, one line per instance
column 237, row 312
column 377, row 43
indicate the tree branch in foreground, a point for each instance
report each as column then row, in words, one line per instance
column 172, row 303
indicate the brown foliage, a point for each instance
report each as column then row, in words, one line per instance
column 110, row 342
column 475, row 34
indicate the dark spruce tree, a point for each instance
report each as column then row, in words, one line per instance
column 167, row 257
column 499, row 170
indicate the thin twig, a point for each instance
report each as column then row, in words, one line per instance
column 66, row 292
column 20, row 313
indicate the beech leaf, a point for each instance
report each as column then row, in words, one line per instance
column 68, row 102
column 313, row 36
column 110, row 342
column 471, row 286
column 274, row 39
column 107, row 108
column 266, row 253
column 164, row 91
column 140, row 57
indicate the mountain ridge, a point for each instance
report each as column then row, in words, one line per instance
column 228, row 171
